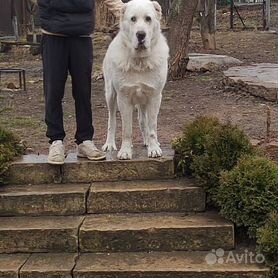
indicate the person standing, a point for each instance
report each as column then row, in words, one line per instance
column 67, row 27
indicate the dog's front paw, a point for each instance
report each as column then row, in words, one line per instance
column 154, row 151
column 108, row 147
column 125, row 153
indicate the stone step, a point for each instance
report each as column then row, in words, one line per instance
column 34, row 169
column 126, row 265
column 39, row 200
column 49, row 266
column 155, row 232
column 39, row 265
column 39, row 234
column 115, row 233
column 163, row 265
column 174, row 195
column 180, row 195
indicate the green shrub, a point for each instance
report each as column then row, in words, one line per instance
column 9, row 148
column 267, row 239
column 192, row 142
column 243, row 184
column 249, row 192
column 223, row 148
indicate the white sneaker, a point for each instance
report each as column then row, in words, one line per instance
column 88, row 150
column 56, row 154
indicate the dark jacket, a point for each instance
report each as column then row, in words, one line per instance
column 67, row 17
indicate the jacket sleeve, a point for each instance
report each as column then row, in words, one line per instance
column 114, row 6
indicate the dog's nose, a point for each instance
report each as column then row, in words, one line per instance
column 141, row 35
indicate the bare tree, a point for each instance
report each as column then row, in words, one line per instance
column 180, row 23
column 207, row 16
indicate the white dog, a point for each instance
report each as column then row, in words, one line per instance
column 135, row 71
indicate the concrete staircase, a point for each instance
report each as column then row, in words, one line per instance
column 111, row 219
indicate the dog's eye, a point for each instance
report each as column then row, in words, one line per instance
column 133, row 19
column 148, row 19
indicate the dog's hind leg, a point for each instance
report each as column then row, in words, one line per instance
column 110, row 96
column 143, row 123
column 153, row 108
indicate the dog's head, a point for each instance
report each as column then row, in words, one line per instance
column 140, row 24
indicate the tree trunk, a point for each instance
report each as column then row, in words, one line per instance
column 207, row 15
column 180, row 23
column 267, row 14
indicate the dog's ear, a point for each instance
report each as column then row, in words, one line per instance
column 158, row 9
column 123, row 9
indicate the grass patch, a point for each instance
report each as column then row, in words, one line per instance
column 20, row 122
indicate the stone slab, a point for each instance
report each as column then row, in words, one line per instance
column 200, row 62
column 39, row 234
column 140, row 167
column 163, row 265
column 33, row 169
column 10, row 264
column 39, row 200
column 49, row 266
column 155, row 232
column 258, row 80
column 177, row 195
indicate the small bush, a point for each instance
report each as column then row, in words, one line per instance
column 249, row 192
column 268, row 242
column 223, row 148
column 9, row 148
column 243, row 184
column 192, row 142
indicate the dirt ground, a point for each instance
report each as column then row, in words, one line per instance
column 198, row 94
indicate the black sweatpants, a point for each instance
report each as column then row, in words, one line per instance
column 63, row 55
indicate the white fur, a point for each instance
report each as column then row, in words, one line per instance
column 136, row 77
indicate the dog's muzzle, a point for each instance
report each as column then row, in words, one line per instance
column 141, row 37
